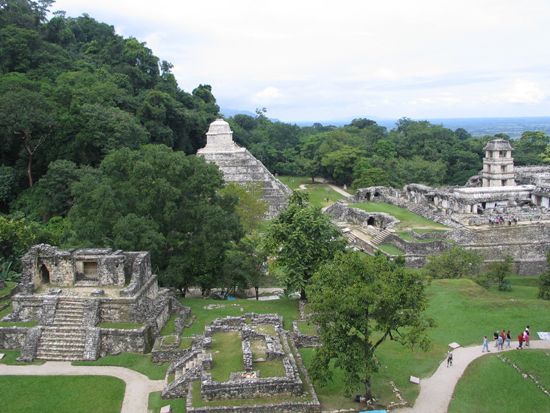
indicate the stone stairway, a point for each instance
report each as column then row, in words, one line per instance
column 183, row 370
column 381, row 237
column 65, row 338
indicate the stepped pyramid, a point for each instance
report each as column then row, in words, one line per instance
column 239, row 165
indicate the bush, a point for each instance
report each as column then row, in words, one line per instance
column 544, row 281
column 454, row 263
column 498, row 271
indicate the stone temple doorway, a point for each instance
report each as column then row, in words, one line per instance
column 44, row 274
column 370, row 221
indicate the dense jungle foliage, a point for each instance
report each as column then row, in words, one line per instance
column 97, row 144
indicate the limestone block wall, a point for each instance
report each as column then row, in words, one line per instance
column 343, row 212
column 115, row 341
column 13, row 337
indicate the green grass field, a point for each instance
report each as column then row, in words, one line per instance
column 139, row 362
column 294, row 182
column 155, row 403
column 390, row 249
column 490, row 385
column 61, row 394
column 409, row 220
column 287, row 308
column 464, row 312
column 227, row 355
column 10, row 358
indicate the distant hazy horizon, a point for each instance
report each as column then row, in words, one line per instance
column 476, row 126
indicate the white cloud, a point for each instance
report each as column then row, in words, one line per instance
column 341, row 59
column 524, row 92
column 269, row 94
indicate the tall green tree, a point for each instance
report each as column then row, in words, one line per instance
column 359, row 301
column 301, row 239
column 156, row 199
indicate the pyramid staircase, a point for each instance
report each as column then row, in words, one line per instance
column 182, row 372
column 65, row 338
column 381, row 237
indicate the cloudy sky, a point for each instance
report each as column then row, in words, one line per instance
column 329, row 60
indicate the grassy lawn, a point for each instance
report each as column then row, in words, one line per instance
column 307, row 328
column 294, row 182
column 155, row 403
column 170, row 326
column 270, row 368
column 288, row 308
column 227, row 355
column 139, row 362
column 10, row 358
column 61, row 394
column 464, row 312
column 488, row 382
column 390, row 249
column 319, row 193
column 409, row 220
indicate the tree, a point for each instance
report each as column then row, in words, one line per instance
column 300, row 239
column 499, row 270
column 251, row 208
column 29, row 118
column 244, row 265
column 453, row 263
column 544, row 281
column 51, row 195
column 156, row 199
column 359, row 301
column 530, row 148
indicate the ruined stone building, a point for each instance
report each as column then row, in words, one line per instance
column 70, row 295
column 239, row 165
column 503, row 211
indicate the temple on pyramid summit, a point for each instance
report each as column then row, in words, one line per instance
column 240, row 166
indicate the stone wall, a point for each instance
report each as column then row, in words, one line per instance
column 13, row 337
column 340, row 211
column 247, row 389
column 116, row 341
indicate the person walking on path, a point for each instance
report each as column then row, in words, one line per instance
column 508, row 339
column 495, row 337
column 500, row 343
column 526, row 336
column 449, row 358
column 520, row 341
column 485, row 345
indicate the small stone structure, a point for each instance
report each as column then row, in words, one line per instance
column 68, row 293
column 193, row 366
column 239, row 165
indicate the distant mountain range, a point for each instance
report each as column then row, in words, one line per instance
column 512, row 127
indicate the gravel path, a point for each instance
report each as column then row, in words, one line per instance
column 137, row 390
column 346, row 194
column 436, row 391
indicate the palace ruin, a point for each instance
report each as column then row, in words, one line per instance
column 505, row 210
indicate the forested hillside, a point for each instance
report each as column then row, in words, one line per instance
column 96, row 145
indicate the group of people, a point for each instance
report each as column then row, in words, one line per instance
column 505, row 337
column 499, row 220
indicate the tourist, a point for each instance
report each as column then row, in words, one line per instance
column 495, row 337
column 526, row 336
column 449, row 358
column 508, row 339
column 503, row 335
column 520, row 341
column 500, row 343
column 485, row 345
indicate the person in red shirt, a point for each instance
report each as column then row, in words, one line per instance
column 520, row 341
